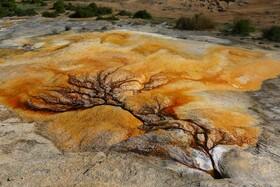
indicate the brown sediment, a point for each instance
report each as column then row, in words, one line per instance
column 99, row 90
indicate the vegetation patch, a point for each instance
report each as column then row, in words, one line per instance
column 142, row 14
column 84, row 11
column 124, row 13
column 38, row 2
column 27, row 8
column 10, row 8
column 272, row 34
column 59, row 6
column 27, row 12
column 71, row 7
column 90, row 10
column 242, row 27
column 197, row 22
column 49, row 14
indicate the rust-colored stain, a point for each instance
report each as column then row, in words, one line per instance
column 98, row 90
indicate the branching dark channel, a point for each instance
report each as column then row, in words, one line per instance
column 102, row 89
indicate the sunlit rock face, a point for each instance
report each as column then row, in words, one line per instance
column 130, row 91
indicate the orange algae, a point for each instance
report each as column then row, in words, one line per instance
column 158, row 70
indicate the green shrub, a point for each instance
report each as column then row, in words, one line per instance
column 197, row 22
column 93, row 7
column 43, row 3
column 70, row 6
column 124, row 13
column 90, row 10
column 83, row 12
column 32, row 1
column 27, row 12
column 59, row 6
column 272, row 34
column 111, row 18
column 9, row 8
column 3, row 12
column 242, row 27
column 10, row 5
column 49, row 14
column 104, row 11
column 143, row 14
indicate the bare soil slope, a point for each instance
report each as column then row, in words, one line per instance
column 263, row 12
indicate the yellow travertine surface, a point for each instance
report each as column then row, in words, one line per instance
column 91, row 126
column 142, row 75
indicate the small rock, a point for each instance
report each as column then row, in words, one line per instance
column 104, row 28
